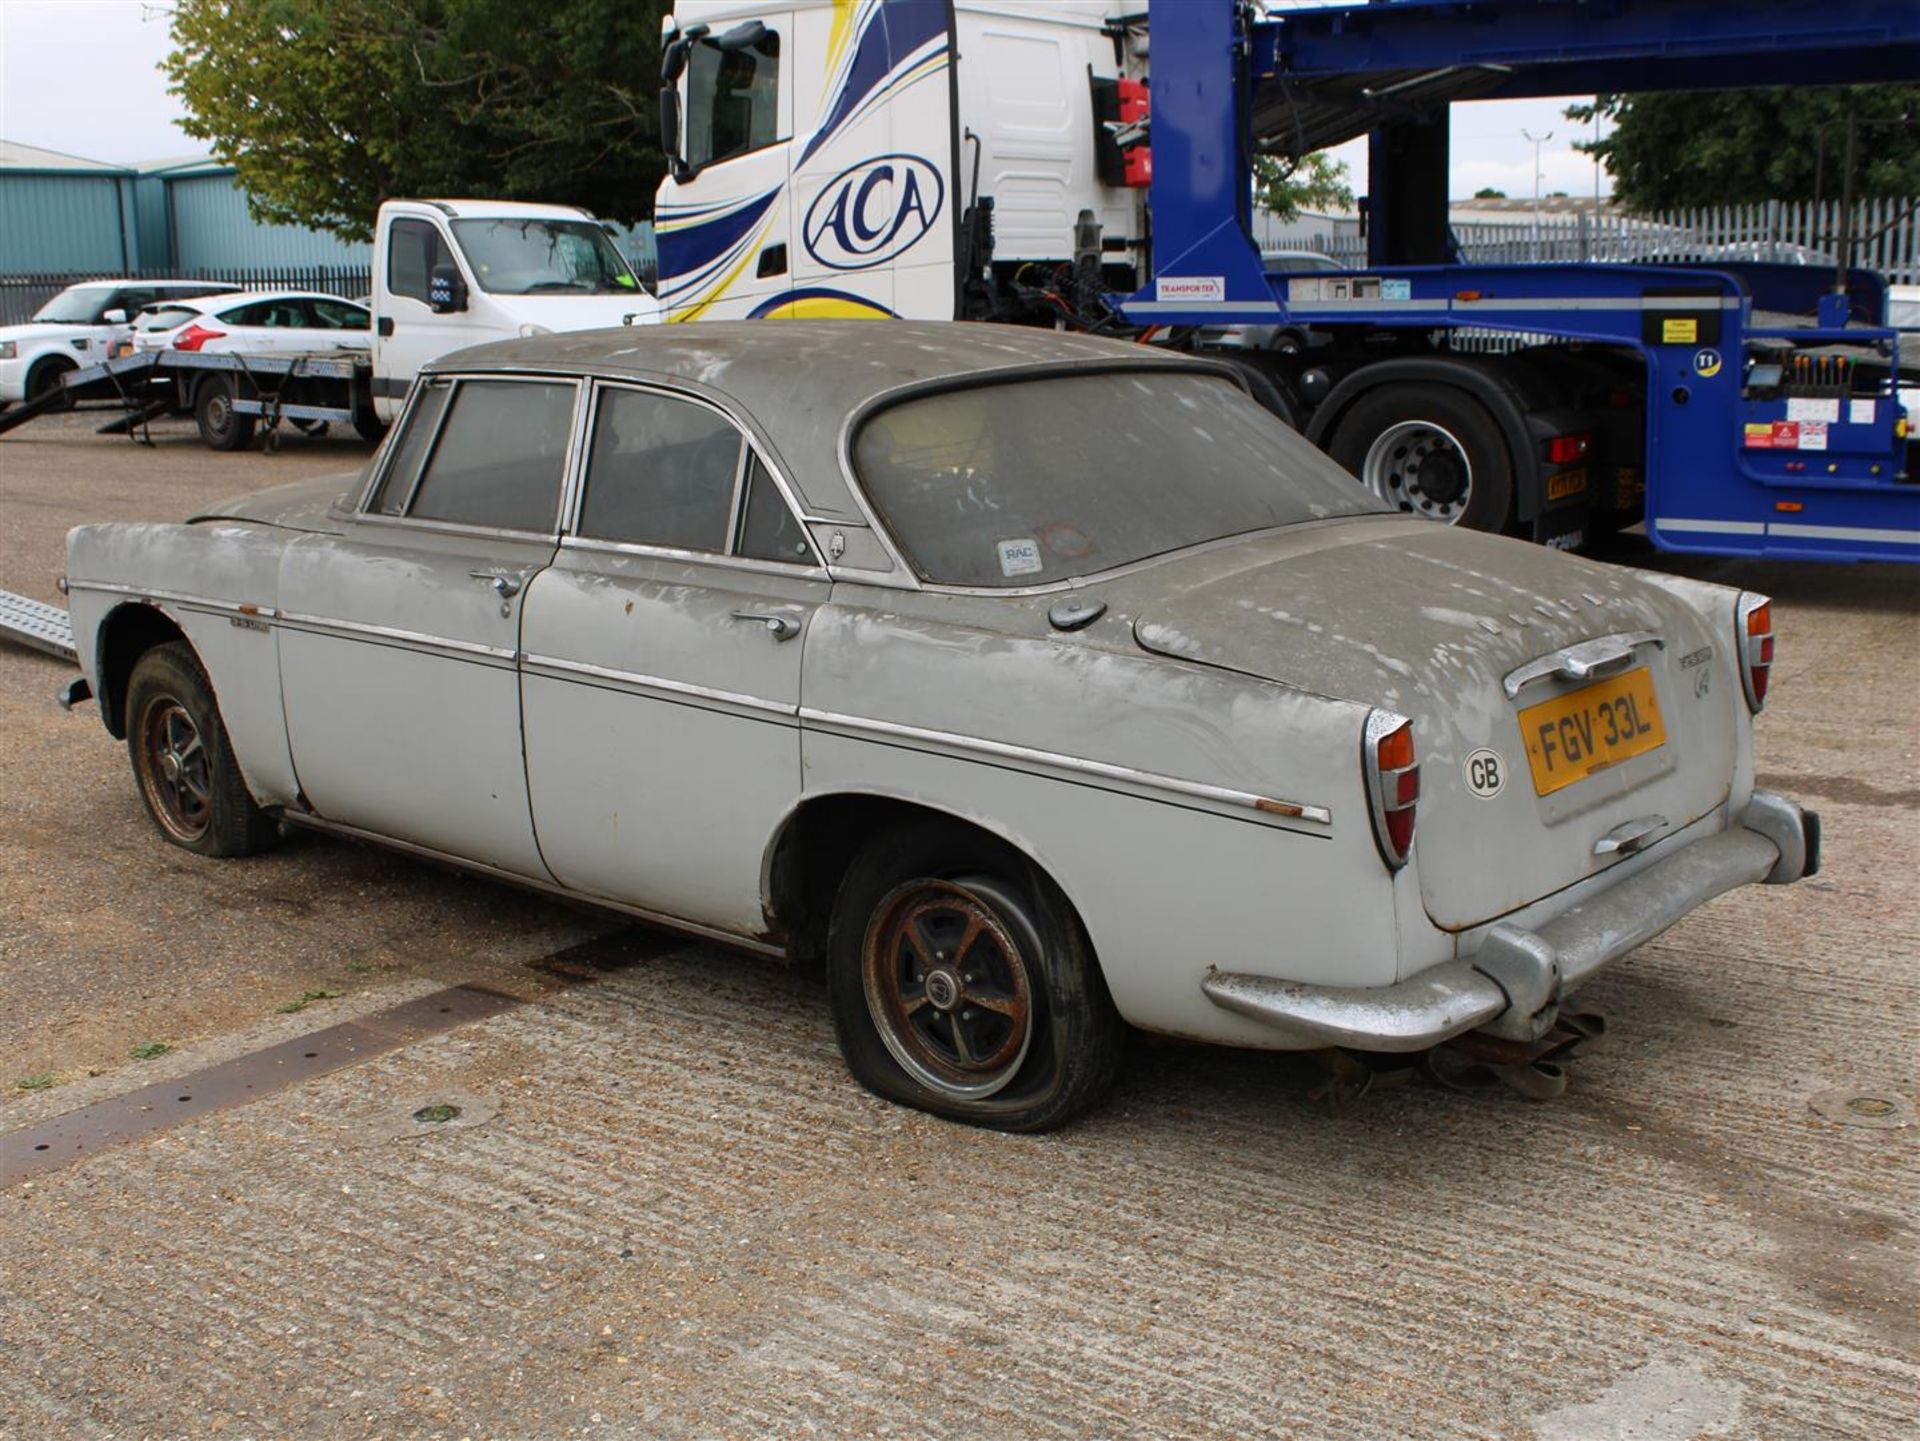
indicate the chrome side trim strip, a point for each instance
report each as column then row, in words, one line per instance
column 1000, row 750
column 393, row 635
column 656, row 686
column 513, row 878
column 1712, row 527
column 174, row 597
column 1843, row 532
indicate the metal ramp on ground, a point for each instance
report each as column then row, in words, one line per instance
column 37, row 625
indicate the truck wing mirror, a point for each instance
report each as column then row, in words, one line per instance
column 446, row 291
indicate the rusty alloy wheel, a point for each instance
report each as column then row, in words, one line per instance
column 945, row 966
column 175, row 770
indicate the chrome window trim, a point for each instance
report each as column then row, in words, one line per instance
column 383, row 459
column 742, row 464
column 749, row 450
column 1268, row 808
column 641, row 551
column 458, row 528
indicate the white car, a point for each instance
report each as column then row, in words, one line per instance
column 1038, row 684
column 266, row 322
column 1903, row 315
column 78, row 327
column 1289, row 339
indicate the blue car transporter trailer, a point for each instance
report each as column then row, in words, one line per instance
column 1751, row 409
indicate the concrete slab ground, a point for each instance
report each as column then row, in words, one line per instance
column 666, row 1211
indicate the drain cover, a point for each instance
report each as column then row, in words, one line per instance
column 1859, row 1106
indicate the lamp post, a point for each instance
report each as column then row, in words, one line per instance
column 1538, row 141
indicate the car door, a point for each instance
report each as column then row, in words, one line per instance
column 399, row 635
column 411, row 332
column 337, row 325
column 662, row 664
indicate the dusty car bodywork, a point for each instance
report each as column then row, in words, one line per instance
column 1179, row 791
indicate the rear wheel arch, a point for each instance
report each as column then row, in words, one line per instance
column 128, row 632
column 820, row 838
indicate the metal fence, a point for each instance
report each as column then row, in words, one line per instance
column 21, row 295
column 1885, row 236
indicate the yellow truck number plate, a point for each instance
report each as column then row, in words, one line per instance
column 1600, row 725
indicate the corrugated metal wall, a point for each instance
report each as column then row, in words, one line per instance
column 54, row 222
column 212, row 231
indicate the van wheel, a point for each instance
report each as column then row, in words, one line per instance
column 221, row 426
column 1431, row 451
column 183, row 762
column 963, row 984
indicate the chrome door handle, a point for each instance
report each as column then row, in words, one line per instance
column 506, row 584
column 780, row 627
column 1630, row 836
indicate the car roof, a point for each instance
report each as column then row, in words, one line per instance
column 797, row 381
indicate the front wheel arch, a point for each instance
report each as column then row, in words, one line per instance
column 128, row 632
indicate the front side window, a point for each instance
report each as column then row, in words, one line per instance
column 81, row 305
column 769, row 530
column 416, row 436
column 326, row 314
column 500, row 457
column 733, row 97
column 661, row 472
column 543, row 257
column 1027, row 482
column 414, row 248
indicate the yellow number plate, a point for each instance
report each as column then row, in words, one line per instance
column 1600, row 725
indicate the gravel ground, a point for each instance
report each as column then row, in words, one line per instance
column 666, row 1211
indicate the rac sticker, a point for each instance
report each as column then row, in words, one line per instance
column 873, row 211
column 1486, row 773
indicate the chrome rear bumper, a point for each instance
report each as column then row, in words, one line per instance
column 1512, row 986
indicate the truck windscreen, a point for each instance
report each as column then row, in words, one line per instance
column 543, row 257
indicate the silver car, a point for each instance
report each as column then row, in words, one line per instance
column 1040, row 686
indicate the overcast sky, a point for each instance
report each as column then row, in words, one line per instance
column 81, row 76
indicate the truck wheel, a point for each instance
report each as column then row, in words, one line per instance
column 963, row 984
column 45, row 377
column 221, row 426
column 1432, row 451
column 183, row 762
column 368, row 425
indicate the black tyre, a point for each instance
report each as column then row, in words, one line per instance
column 963, row 984
column 45, row 376
column 182, row 761
column 368, row 425
column 221, row 426
column 1431, row 450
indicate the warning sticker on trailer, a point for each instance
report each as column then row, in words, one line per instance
column 1808, row 407
column 1813, row 435
column 1680, row 330
column 1774, row 435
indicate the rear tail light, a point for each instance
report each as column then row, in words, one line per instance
column 1393, row 784
column 195, row 336
column 1754, row 640
column 1565, row 448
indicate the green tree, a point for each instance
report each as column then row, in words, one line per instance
column 1318, row 182
column 1488, row 192
column 1739, row 147
column 327, row 107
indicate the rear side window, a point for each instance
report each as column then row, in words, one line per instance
column 416, row 435
column 500, row 457
column 167, row 317
column 661, row 472
column 414, row 247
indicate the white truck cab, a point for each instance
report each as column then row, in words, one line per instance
column 867, row 157
column 452, row 273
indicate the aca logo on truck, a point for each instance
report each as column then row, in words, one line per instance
column 873, row 211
